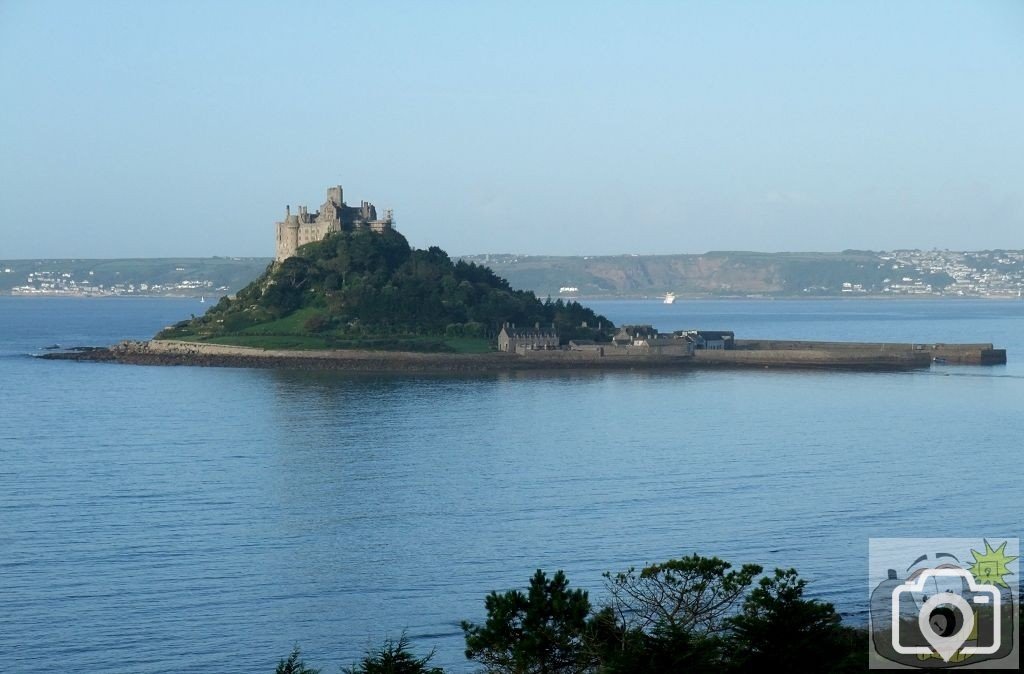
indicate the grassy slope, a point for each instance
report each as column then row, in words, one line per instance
column 308, row 342
column 289, row 333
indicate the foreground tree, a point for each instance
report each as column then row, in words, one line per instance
column 294, row 665
column 619, row 649
column 781, row 630
column 540, row 632
column 689, row 595
column 394, row 657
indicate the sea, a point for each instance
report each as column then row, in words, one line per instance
column 172, row 519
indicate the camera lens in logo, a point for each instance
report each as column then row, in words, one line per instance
column 941, row 612
column 943, row 621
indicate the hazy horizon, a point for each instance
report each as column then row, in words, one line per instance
column 182, row 130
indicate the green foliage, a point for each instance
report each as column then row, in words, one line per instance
column 669, row 616
column 678, row 616
column 620, row 649
column 692, row 594
column 353, row 285
column 780, row 629
column 394, row 657
column 540, row 632
column 329, row 341
column 294, row 665
column 316, row 323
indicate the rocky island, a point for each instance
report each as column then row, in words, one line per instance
column 347, row 291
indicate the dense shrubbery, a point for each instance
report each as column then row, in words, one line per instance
column 694, row 614
column 362, row 284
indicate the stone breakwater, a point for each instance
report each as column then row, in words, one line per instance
column 167, row 352
column 958, row 354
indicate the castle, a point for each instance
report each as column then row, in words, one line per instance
column 334, row 216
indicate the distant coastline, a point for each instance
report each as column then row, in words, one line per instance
column 714, row 275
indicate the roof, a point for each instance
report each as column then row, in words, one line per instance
column 530, row 332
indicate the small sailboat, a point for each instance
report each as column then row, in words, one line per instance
column 202, row 299
column 670, row 298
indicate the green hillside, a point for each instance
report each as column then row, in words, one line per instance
column 367, row 290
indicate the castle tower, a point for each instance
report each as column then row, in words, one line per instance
column 334, row 216
column 287, row 236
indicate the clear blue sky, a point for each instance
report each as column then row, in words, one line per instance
column 183, row 128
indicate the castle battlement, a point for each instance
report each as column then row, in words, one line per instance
column 335, row 215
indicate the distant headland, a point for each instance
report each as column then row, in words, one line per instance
column 347, row 291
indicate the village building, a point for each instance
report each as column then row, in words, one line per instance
column 712, row 340
column 634, row 334
column 637, row 340
column 519, row 340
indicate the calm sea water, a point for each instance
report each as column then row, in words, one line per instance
column 185, row 519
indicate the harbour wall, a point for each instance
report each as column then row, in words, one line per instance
column 852, row 358
column 962, row 354
column 170, row 352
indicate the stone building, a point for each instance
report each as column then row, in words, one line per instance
column 334, row 215
column 517, row 340
column 644, row 340
column 634, row 334
column 712, row 340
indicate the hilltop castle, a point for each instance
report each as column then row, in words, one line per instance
column 334, row 216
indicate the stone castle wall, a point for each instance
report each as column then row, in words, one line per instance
column 298, row 229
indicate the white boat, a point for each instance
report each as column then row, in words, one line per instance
column 202, row 299
column 670, row 298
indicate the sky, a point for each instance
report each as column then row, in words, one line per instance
column 158, row 128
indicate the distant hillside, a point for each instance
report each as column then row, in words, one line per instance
column 211, row 276
column 731, row 273
column 987, row 273
column 364, row 289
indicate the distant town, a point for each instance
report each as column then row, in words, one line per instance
column 152, row 277
column 976, row 274
column 64, row 283
column 899, row 273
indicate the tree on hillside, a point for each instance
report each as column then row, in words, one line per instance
column 377, row 282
